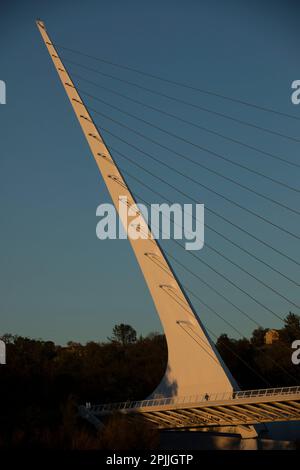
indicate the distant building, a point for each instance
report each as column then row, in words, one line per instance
column 271, row 336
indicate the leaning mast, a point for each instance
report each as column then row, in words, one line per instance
column 194, row 365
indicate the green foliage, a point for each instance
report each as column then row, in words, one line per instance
column 122, row 434
column 255, row 364
column 123, row 334
column 40, row 377
column 258, row 336
column 291, row 330
column 43, row 383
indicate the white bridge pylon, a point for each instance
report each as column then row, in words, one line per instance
column 194, row 365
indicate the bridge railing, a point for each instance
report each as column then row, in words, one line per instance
column 203, row 398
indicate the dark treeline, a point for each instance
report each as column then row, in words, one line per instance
column 42, row 383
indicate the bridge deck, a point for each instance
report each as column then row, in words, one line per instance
column 234, row 409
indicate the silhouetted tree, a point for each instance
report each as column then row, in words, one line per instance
column 258, row 336
column 291, row 330
column 120, row 434
column 123, row 334
column 43, row 383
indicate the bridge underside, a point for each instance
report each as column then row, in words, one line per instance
column 236, row 415
column 224, row 414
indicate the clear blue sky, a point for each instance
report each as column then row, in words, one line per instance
column 58, row 281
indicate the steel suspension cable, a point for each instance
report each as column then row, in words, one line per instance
column 208, row 265
column 185, row 85
column 187, row 103
column 191, row 123
column 207, row 225
column 229, row 349
column 293, row 235
column 209, row 307
column 208, row 245
column 227, row 178
column 171, row 134
column 215, row 213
